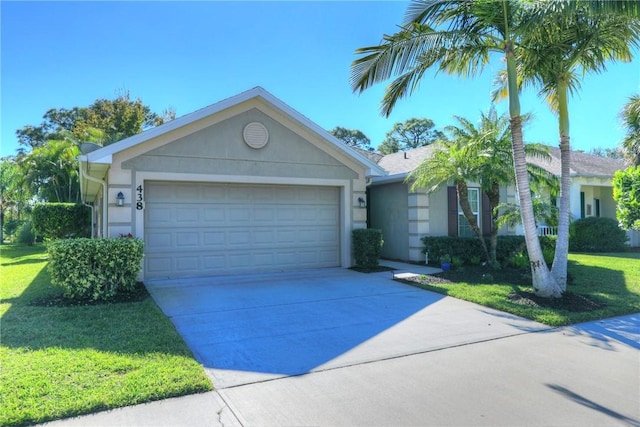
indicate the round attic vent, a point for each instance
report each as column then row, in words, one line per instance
column 255, row 135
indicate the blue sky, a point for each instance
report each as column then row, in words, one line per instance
column 187, row 55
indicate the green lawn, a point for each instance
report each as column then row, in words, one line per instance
column 612, row 280
column 58, row 362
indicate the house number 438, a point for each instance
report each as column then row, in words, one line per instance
column 139, row 198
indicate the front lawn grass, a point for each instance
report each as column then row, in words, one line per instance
column 61, row 361
column 600, row 286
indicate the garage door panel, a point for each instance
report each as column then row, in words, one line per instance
column 191, row 239
column 158, row 266
column 187, row 263
column 213, row 213
column 196, row 229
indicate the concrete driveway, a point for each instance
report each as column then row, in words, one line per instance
column 339, row 348
column 248, row 329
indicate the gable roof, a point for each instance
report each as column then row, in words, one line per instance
column 104, row 155
column 400, row 164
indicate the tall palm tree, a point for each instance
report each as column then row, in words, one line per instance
column 481, row 154
column 631, row 119
column 457, row 37
column 564, row 41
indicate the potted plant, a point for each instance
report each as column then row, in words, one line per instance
column 445, row 262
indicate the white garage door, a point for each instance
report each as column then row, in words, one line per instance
column 196, row 229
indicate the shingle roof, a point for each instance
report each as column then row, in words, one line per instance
column 371, row 155
column 582, row 164
column 405, row 161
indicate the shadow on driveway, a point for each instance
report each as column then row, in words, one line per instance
column 284, row 324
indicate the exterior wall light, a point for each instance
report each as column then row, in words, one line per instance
column 362, row 202
column 120, row 199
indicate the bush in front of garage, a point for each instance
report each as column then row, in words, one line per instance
column 367, row 247
column 95, row 269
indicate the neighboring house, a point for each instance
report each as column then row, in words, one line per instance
column 247, row 184
column 405, row 216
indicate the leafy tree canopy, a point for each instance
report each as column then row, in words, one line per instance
column 352, row 137
column 104, row 121
column 412, row 133
column 626, row 193
column 612, row 153
column 630, row 116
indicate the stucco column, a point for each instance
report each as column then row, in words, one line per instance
column 418, row 217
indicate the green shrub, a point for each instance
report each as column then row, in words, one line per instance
column 10, row 228
column 456, row 262
column 25, row 233
column 61, row 220
column 595, row 234
column 475, row 260
column 470, row 251
column 548, row 255
column 95, row 269
column 367, row 247
column 520, row 260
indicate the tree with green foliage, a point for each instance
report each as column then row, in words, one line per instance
column 630, row 116
column 412, row 133
column 105, row 121
column 480, row 154
column 610, row 153
column 457, row 37
column 564, row 41
column 626, row 193
column 51, row 171
column 352, row 137
column 13, row 195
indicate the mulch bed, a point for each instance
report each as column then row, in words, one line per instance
column 139, row 293
column 569, row 301
column 510, row 276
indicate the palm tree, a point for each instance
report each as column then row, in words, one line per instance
column 457, row 37
column 631, row 119
column 564, row 41
column 51, row 171
column 482, row 154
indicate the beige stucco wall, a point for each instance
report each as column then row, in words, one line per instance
column 213, row 150
column 220, row 149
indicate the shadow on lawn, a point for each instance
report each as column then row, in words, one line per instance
column 133, row 328
column 23, row 262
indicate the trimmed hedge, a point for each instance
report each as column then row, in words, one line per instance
column 367, row 247
column 95, row 269
column 597, row 234
column 468, row 248
column 61, row 220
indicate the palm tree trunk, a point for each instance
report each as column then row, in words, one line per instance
column 560, row 259
column 494, row 199
column 542, row 281
column 463, row 199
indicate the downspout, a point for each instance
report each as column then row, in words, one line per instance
column 105, row 200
